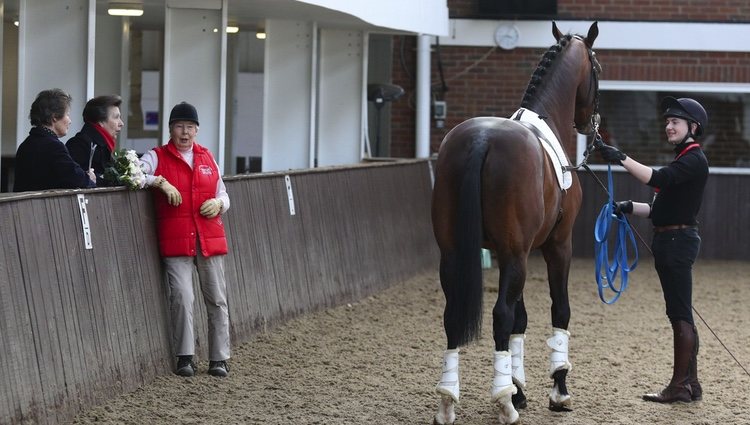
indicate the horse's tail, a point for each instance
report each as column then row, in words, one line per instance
column 461, row 270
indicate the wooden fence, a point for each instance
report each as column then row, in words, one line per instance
column 724, row 215
column 79, row 326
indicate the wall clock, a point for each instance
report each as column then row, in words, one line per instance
column 507, row 36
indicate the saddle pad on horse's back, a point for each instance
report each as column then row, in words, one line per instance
column 547, row 138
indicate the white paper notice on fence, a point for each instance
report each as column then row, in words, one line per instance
column 82, row 201
column 289, row 194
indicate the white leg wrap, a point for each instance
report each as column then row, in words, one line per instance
column 503, row 388
column 502, row 383
column 516, row 352
column 558, row 358
column 449, row 384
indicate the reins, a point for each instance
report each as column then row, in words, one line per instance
column 606, row 271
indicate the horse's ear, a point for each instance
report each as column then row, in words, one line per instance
column 593, row 33
column 556, row 32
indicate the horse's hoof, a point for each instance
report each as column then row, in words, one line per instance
column 446, row 414
column 559, row 401
column 560, row 407
column 519, row 400
column 508, row 414
column 435, row 422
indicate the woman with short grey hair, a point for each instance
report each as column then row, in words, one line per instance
column 42, row 161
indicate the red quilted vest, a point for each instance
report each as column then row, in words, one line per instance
column 178, row 225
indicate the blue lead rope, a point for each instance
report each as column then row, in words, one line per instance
column 606, row 270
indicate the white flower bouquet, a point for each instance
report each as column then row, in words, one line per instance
column 125, row 170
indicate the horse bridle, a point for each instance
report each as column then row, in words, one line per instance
column 595, row 118
column 596, row 68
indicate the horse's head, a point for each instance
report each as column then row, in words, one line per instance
column 586, row 119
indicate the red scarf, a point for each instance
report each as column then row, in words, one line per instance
column 107, row 137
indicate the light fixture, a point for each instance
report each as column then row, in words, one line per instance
column 125, row 9
column 260, row 34
column 230, row 29
column 16, row 23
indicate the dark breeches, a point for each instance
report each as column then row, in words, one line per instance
column 675, row 252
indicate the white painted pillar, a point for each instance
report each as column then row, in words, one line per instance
column 10, row 88
column 195, row 68
column 340, row 111
column 289, row 95
column 90, row 52
column 314, row 72
column 59, row 56
column 423, row 96
column 125, row 78
column 364, row 151
column 2, row 20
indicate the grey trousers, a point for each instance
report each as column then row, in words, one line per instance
column 213, row 285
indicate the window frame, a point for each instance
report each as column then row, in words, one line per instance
column 677, row 86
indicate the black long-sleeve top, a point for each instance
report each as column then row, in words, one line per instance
column 80, row 149
column 43, row 162
column 681, row 185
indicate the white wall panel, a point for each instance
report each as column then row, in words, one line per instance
column 109, row 33
column 340, row 94
column 248, row 122
column 193, row 72
column 288, row 93
column 53, row 58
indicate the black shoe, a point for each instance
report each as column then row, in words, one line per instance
column 185, row 366
column 219, row 368
column 671, row 394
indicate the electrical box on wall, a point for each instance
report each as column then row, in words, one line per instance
column 439, row 112
column 439, row 109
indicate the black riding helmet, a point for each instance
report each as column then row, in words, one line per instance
column 183, row 111
column 685, row 108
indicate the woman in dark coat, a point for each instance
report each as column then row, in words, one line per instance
column 42, row 161
column 92, row 147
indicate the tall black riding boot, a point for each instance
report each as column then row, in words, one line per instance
column 695, row 386
column 684, row 349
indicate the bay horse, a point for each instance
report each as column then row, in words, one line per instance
column 497, row 188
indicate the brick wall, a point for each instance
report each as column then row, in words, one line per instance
column 496, row 85
column 655, row 10
column 636, row 10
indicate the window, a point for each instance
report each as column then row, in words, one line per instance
column 632, row 121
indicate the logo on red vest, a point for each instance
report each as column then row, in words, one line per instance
column 205, row 170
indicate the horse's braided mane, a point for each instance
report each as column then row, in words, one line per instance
column 541, row 69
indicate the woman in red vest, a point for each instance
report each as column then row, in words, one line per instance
column 189, row 205
column 679, row 191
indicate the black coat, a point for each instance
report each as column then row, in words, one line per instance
column 79, row 147
column 43, row 162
